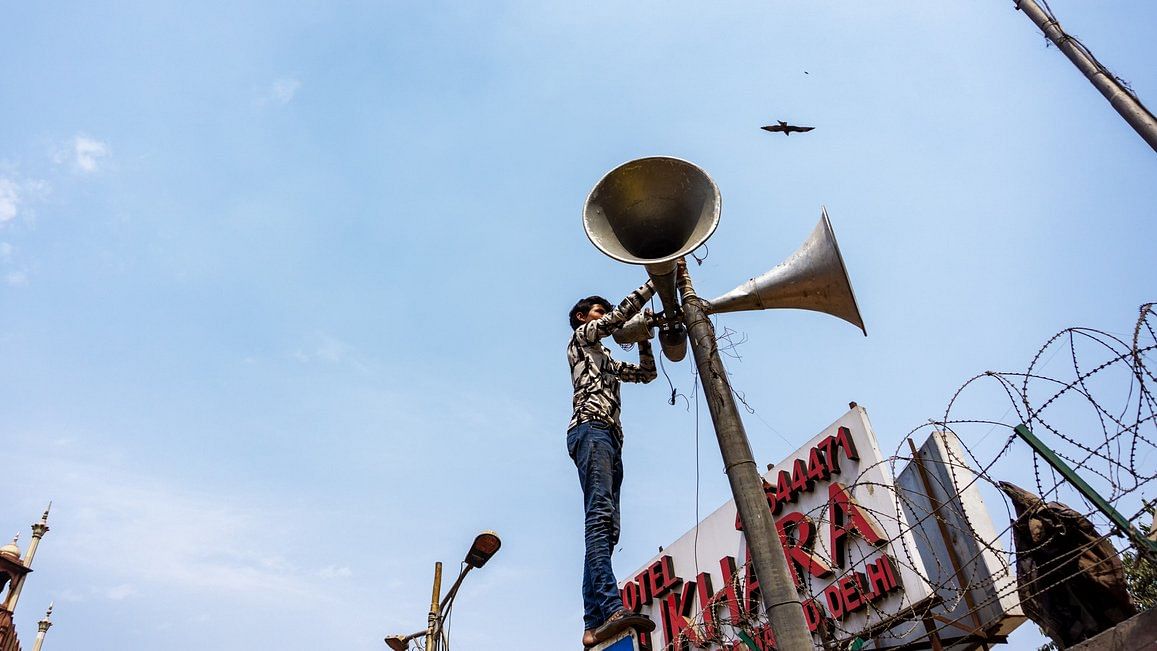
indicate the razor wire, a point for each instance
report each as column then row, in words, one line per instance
column 1098, row 413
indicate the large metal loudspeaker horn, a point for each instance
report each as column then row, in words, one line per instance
column 813, row 278
column 653, row 211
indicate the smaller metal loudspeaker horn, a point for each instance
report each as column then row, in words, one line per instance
column 653, row 211
column 637, row 328
column 813, row 278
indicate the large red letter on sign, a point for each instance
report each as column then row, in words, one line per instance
column 844, row 440
column 847, row 518
column 799, row 551
column 662, row 576
column 676, row 614
column 736, row 603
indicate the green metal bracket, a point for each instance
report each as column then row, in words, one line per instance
column 1126, row 527
column 747, row 640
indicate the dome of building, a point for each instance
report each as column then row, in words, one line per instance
column 11, row 550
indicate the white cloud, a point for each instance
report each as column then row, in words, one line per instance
column 88, row 152
column 334, row 572
column 13, row 276
column 280, row 92
column 68, row 594
column 285, row 89
column 16, row 194
column 192, row 541
column 9, row 199
column 36, row 189
column 330, row 350
column 119, row 592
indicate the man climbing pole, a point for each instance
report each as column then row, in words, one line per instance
column 595, row 443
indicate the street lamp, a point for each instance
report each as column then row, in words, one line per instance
column 485, row 545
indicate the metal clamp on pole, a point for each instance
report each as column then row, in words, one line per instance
column 435, row 598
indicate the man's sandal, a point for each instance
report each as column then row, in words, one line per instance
column 621, row 621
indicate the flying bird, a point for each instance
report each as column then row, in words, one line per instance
column 785, row 128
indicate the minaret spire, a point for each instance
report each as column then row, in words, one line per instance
column 43, row 626
column 38, row 531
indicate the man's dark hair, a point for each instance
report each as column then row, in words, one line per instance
column 585, row 306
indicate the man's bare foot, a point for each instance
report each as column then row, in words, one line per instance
column 589, row 638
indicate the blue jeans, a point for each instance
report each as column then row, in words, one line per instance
column 597, row 454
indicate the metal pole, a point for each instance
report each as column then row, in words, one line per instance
column 1122, row 100
column 933, row 636
column 784, row 609
column 453, row 591
column 432, row 633
column 1127, row 529
column 1153, row 527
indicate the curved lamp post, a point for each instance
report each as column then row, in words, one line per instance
column 484, row 547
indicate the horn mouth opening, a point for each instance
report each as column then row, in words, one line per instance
column 652, row 210
column 813, row 278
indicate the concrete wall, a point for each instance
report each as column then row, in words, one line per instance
column 1137, row 633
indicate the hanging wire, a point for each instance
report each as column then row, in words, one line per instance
column 674, row 392
column 1066, row 37
column 699, row 261
column 695, row 395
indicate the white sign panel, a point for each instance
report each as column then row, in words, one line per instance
column 961, row 550
column 845, row 538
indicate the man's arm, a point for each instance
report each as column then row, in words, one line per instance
column 594, row 330
column 645, row 371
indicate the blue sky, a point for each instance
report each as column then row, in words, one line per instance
column 283, row 284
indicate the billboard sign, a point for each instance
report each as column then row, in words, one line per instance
column 846, row 542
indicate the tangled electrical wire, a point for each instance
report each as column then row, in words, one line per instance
column 1064, row 37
